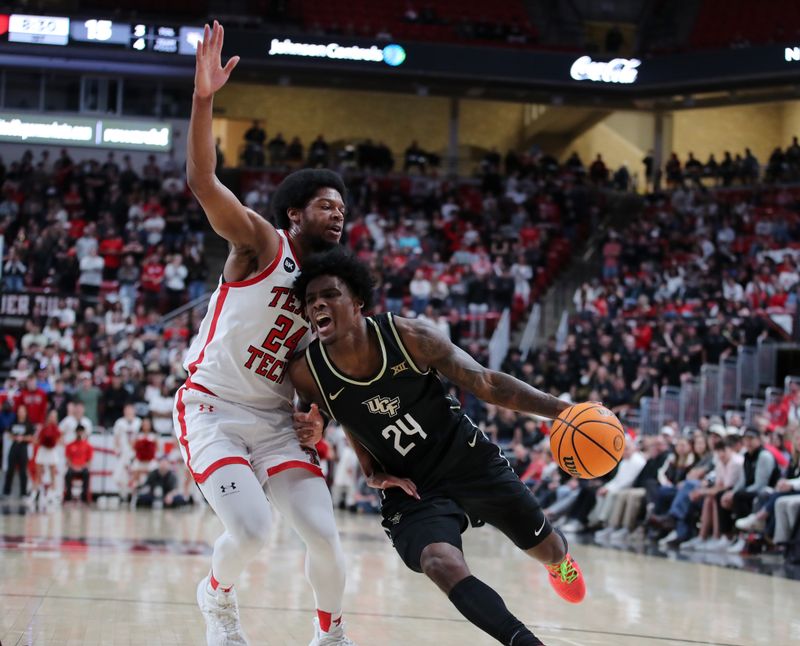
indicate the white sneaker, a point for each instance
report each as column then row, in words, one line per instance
column 619, row 535
column 750, row 523
column 715, row 544
column 221, row 613
column 737, row 546
column 602, row 535
column 692, row 544
column 334, row 637
column 668, row 538
column 572, row 525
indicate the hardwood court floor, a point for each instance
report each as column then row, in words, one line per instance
column 78, row 576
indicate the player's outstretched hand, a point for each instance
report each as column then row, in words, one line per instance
column 308, row 426
column 385, row 481
column 209, row 75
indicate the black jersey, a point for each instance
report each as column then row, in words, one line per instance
column 402, row 415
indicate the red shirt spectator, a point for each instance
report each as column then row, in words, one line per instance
column 358, row 232
column 76, row 227
column 111, row 249
column 528, row 235
column 79, row 453
column 152, row 275
column 153, row 207
column 643, row 334
column 778, row 299
column 34, row 399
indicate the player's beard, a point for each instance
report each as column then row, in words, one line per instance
column 319, row 244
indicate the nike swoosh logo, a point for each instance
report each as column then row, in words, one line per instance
column 539, row 531
column 474, row 439
column 334, row 396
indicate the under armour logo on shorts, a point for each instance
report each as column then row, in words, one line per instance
column 206, row 408
column 232, row 487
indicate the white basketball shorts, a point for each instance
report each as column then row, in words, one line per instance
column 213, row 432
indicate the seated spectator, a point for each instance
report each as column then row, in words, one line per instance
column 595, row 504
column 145, row 447
column 728, row 465
column 79, row 455
column 160, row 488
column 779, row 509
column 759, row 471
column 627, row 504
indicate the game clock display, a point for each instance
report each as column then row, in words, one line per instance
column 139, row 37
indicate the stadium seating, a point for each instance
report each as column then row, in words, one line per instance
column 737, row 23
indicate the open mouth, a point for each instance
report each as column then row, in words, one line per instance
column 336, row 229
column 323, row 322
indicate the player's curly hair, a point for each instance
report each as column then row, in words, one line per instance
column 298, row 188
column 342, row 264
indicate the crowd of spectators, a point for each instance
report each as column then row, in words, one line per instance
column 456, row 252
column 101, row 229
column 711, row 488
column 782, row 166
column 692, row 278
column 259, row 151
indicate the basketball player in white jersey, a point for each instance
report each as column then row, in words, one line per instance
column 233, row 416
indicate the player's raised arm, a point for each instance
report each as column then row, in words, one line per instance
column 430, row 348
column 248, row 232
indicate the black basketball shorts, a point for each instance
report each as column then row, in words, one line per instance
column 483, row 490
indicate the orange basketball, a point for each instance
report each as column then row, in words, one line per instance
column 587, row 440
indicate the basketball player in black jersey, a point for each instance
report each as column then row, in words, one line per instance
column 378, row 377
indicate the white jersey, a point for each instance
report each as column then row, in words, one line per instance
column 251, row 330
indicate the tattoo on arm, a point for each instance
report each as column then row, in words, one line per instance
column 491, row 386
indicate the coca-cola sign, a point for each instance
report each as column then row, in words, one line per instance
column 617, row 70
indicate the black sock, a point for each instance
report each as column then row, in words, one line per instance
column 563, row 538
column 484, row 608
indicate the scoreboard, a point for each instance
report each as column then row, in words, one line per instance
column 139, row 37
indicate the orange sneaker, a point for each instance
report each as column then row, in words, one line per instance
column 567, row 580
